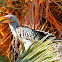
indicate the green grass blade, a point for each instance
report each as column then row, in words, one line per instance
column 37, row 50
column 2, row 59
column 42, row 53
column 43, row 26
column 41, row 41
column 3, row 2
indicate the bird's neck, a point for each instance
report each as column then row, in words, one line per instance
column 13, row 30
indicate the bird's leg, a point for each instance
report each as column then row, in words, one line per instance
column 15, row 48
column 15, row 45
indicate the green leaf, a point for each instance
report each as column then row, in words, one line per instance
column 37, row 44
column 41, row 48
column 2, row 59
column 44, row 0
column 3, row 2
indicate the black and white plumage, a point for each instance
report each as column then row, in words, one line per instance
column 23, row 33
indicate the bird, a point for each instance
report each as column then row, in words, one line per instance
column 25, row 34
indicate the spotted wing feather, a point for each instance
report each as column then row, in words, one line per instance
column 30, row 34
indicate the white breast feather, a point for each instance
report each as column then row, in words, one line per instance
column 13, row 31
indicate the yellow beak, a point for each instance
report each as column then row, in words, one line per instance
column 4, row 20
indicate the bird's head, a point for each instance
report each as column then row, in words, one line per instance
column 10, row 19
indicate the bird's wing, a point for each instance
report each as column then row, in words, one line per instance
column 30, row 34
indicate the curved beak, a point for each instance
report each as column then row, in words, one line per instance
column 4, row 20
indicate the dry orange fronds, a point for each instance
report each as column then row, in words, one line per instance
column 20, row 1
column 1, row 46
column 6, row 39
column 9, row 1
column 41, row 1
column 8, row 53
column 26, row 0
column 25, row 5
column 2, row 33
column 24, row 11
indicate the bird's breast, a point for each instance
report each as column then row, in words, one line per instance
column 26, row 33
